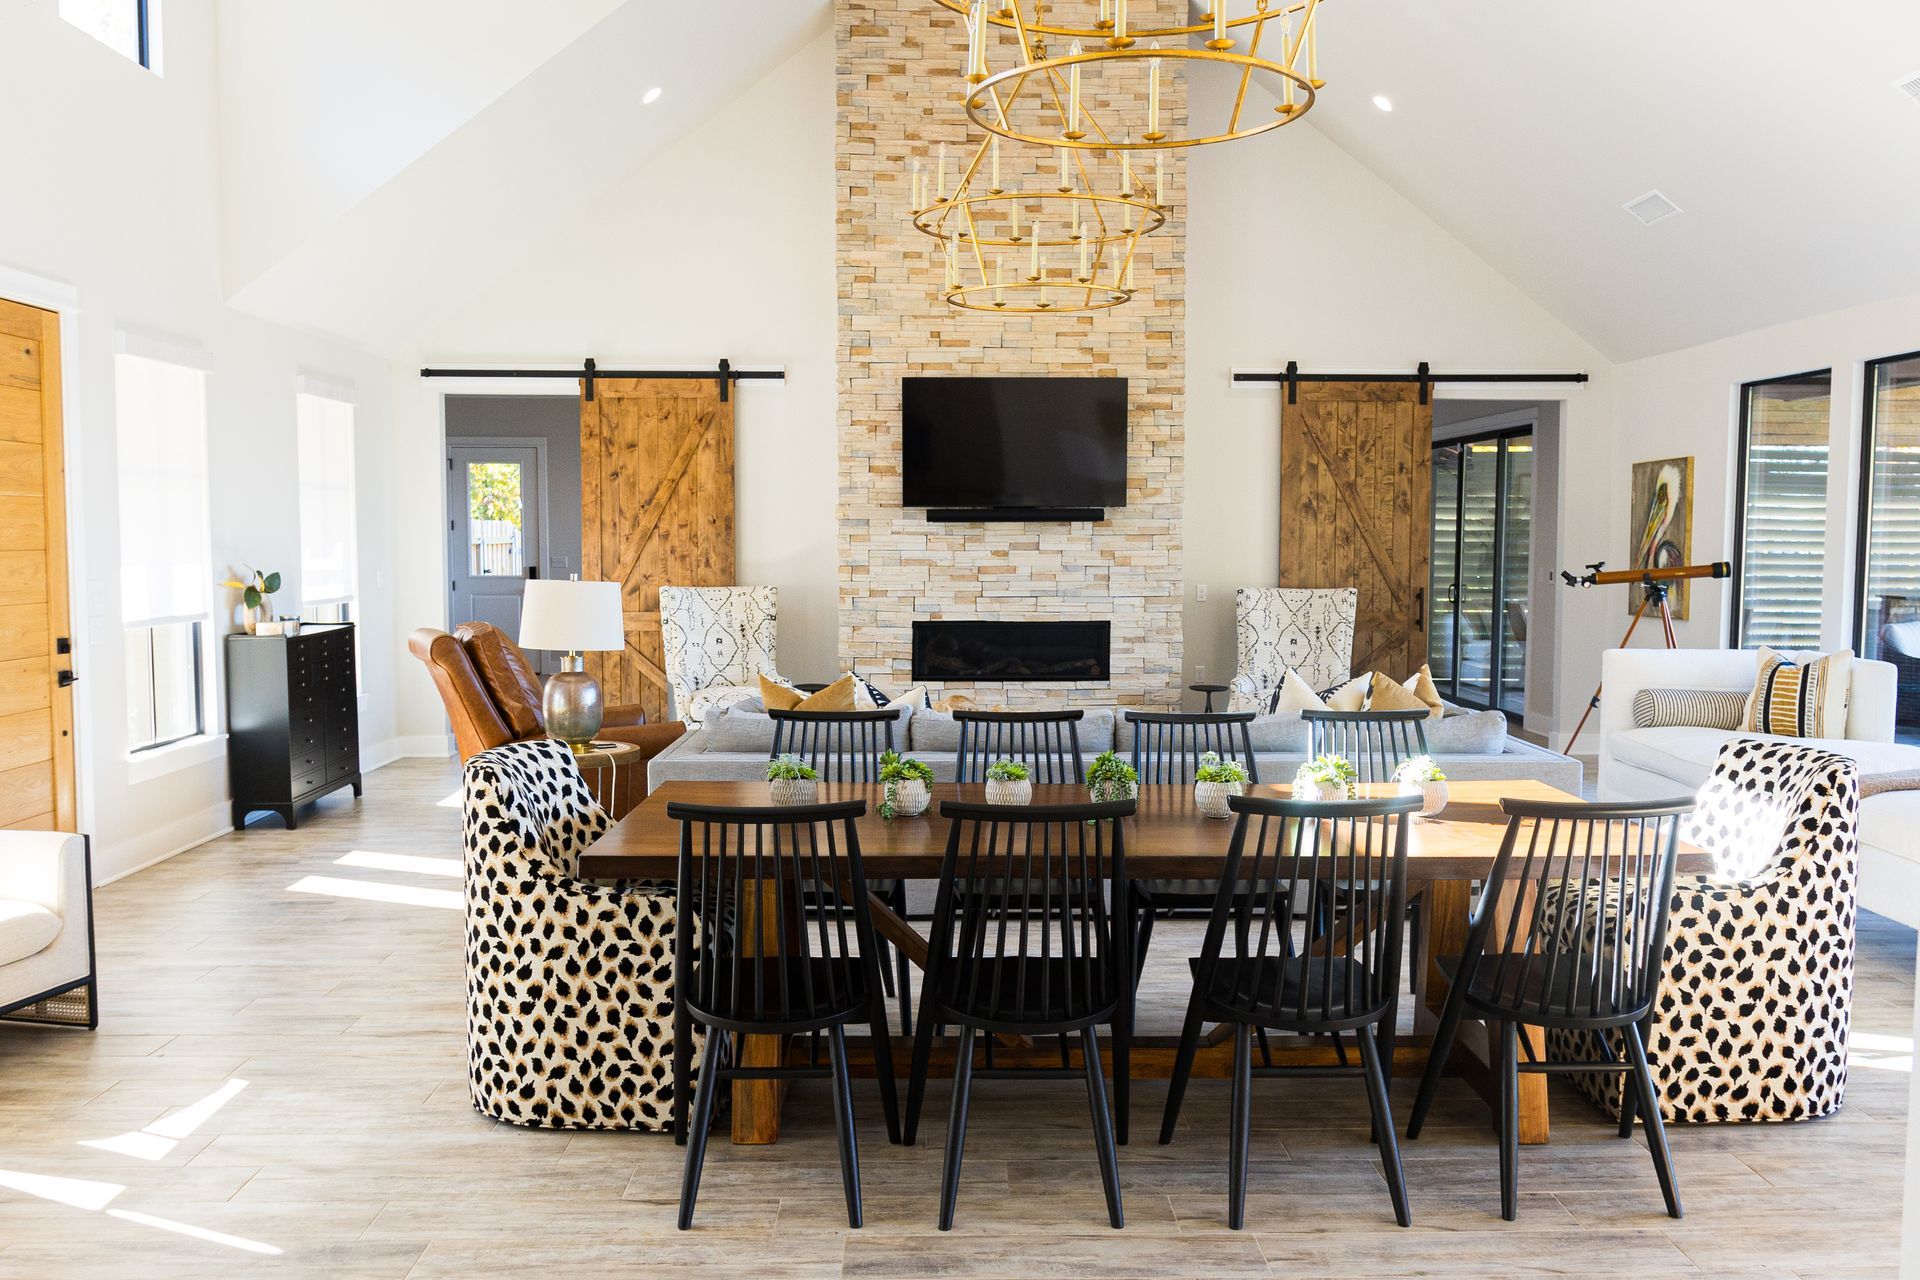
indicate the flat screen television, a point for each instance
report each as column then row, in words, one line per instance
column 1014, row 443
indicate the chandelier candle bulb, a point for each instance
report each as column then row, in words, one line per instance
column 1083, row 252
column 1153, row 98
column 941, row 192
column 1120, row 37
column 1066, row 179
column 1160, row 179
column 996, row 188
column 977, row 43
column 1073, row 129
column 1033, row 264
column 1013, row 211
column 1221, row 40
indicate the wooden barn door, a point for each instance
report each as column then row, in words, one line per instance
column 656, row 497
column 36, row 692
column 1356, row 476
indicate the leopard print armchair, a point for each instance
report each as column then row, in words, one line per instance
column 1751, row 1020
column 569, row 982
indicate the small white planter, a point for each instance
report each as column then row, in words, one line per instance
column 1210, row 798
column 1309, row 790
column 1009, row 791
column 1433, row 795
column 910, row 797
column 786, row 791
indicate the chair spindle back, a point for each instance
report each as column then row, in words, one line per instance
column 1047, row 742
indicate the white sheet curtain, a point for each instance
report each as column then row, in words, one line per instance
column 328, row 554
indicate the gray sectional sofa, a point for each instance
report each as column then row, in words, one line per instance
column 733, row 745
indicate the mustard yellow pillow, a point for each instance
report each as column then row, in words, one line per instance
column 837, row 696
column 1421, row 683
column 1390, row 695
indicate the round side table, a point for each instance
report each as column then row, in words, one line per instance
column 600, row 764
column 1209, row 690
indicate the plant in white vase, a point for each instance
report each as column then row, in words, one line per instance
column 1110, row 777
column 791, row 780
column 908, row 786
column 1009, row 782
column 1325, row 777
column 1419, row 776
column 1214, row 782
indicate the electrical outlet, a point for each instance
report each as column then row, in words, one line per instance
column 1200, row 673
column 1200, row 593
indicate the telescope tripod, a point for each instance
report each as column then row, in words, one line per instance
column 1656, row 595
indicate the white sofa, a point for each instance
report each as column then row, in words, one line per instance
column 46, row 929
column 1657, row 763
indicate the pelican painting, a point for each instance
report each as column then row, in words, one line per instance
column 1661, row 522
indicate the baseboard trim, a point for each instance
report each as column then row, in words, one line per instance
column 414, row 747
column 173, row 839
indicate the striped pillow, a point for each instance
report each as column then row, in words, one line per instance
column 1694, row 708
column 1800, row 700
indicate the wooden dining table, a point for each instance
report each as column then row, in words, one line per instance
column 1166, row 838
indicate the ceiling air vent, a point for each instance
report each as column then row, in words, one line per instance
column 1651, row 208
column 1909, row 85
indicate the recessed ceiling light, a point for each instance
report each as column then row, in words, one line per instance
column 652, row 96
column 1383, row 102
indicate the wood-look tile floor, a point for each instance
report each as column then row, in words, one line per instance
column 278, row 1088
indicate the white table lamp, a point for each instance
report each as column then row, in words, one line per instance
column 573, row 617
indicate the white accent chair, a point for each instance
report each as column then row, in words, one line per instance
column 719, row 639
column 1653, row 763
column 1308, row 629
column 46, row 929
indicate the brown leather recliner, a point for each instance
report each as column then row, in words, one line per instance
column 493, row 698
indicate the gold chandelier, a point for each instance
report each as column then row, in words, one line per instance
column 1276, row 42
column 1067, row 249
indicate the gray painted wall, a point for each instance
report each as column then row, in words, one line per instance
column 555, row 419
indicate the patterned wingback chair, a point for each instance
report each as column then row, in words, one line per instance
column 715, row 637
column 569, row 982
column 1309, row 629
column 1751, row 1019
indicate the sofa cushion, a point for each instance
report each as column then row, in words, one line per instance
column 710, row 700
column 734, row 729
column 939, row 731
column 1474, row 733
column 508, row 676
column 26, row 928
column 1892, row 822
column 1686, row 753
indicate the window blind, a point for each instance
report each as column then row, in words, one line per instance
column 327, row 543
column 160, row 429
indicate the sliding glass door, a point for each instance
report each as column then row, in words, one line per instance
column 1888, row 627
column 1482, row 529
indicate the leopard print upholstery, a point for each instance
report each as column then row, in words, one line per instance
column 1751, row 1019
column 569, row 982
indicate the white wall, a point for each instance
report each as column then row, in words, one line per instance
column 1687, row 403
column 116, row 197
column 723, row 246
column 1296, row 252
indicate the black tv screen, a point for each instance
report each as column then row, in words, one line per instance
column 1014, row 442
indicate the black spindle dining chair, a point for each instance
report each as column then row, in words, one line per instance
column 846, row 746
column 1569, row 932
column 1024, row 943
column 1047, row 742
column 1167, row 747
column 1373, row 742
column 1345, row 982
column 773, row 937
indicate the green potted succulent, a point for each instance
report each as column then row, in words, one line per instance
column 1214, row 782
column 1111, row 777
column 1419, row 776
column 908, row 786
column 791, row 780
column 1009, row 782
column 1325, row 777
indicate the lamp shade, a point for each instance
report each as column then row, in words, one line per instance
column 572, row 615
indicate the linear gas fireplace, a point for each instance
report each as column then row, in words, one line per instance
column 1011, row 651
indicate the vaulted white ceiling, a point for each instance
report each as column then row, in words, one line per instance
column 1522, row 126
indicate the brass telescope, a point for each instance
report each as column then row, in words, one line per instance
column 1655, row 584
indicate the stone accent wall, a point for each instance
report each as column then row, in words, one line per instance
column 898, row 68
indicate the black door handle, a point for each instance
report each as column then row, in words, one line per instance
column 63, row 678
column 1420, row 608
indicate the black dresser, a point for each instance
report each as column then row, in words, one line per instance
column 293, row 719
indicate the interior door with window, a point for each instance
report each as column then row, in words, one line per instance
column 36, row 661
column 1482, row 535
column 493, row 503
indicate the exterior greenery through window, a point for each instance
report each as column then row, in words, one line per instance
column 1781, row 538
column 1888, row 626
column 494, row 514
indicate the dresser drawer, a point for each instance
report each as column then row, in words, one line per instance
column 305, row 782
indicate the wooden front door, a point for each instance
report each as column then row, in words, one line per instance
column 656, row 499
column 1356, row 467
column 36, row 706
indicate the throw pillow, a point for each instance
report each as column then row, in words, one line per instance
column 1690, row 708
column 1421, row 682
column 1388, row 694
column 1807, row 699
column 507, row 675
column 837, row 696
column 707, row 702
column 1351, row 696
column 1294, row 696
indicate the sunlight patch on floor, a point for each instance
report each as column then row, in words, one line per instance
column 160, row 1137
column 1881, row 1053
column 401, row 862
column 198, row 1233
column 373, row 891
